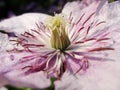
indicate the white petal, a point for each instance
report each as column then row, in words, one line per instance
column 22, row 23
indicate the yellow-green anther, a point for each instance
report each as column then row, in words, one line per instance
column 59, row 38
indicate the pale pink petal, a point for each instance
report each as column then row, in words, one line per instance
column 72, row 7
column 88, row 2
column 22, row 23
column 12, row 70
column 77, row 6
column 34, row 80
column 114, row 15
column 3, row 42
column 100, row 76
column 8, row 60
column 109, row 13
column 104, row 76
column 3, row 81
column 68, row 82
column 74, row 11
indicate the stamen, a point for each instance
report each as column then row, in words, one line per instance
column 59, row 37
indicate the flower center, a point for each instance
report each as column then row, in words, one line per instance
column 59, row 37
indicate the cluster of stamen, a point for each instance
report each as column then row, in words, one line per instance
column 59, row 37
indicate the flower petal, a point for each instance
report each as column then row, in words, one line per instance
column 34, row 80
column 3, row 81
column 100, row 76
column 114, row 16
column 12, row 70
column 68, row 8
column 3, row 40
column 109, row 13
column 77, row 6
column 22, row 23
column 68, row 82
column 8, row 60
column 88, row 2
column 5, row 44
column 76, row 9
column 106, row 76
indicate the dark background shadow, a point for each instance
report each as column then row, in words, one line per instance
column 10, row 8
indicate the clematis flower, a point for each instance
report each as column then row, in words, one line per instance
column 79, row 47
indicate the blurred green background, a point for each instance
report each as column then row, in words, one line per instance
column 9, row 8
